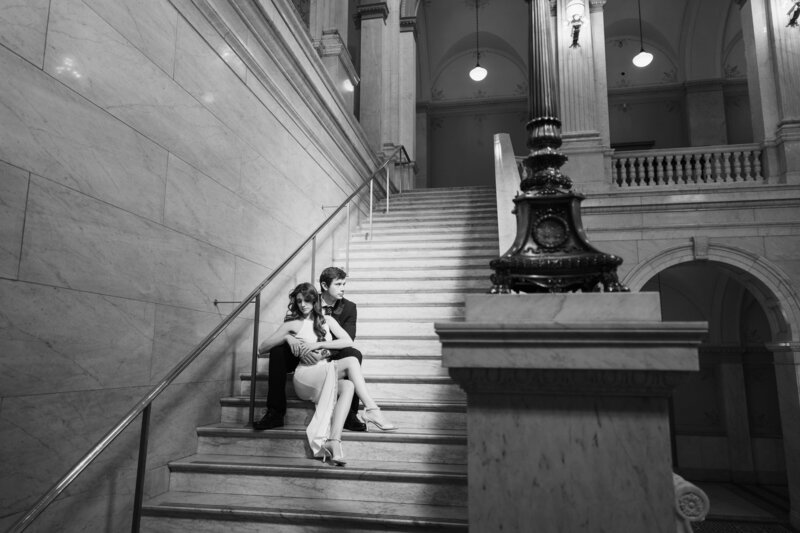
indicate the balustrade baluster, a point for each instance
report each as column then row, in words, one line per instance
column 636, row 171
column 757, row 165
column 726, row 166
column 716, row 168
column 628, row 172
column 658, row 172
column 737, row 166
column 747, row 170
column 706, row 168
column 669, row 161
column 617, row 172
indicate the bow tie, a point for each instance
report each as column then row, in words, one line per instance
column 328, row 309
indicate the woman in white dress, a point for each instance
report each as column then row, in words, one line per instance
column 329, row 384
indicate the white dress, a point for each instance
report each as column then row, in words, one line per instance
column 317, row 383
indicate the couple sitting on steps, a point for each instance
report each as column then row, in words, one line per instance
column 318, row 346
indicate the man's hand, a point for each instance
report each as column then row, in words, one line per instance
column 309, row 357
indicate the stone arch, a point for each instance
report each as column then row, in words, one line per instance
column 768, row 283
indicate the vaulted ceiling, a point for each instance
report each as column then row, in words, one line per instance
column 692, row 40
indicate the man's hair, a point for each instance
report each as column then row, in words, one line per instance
column 331, row 274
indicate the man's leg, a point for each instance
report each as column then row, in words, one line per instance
column 281, row 362
column 352, row 423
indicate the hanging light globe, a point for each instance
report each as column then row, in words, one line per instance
column 478, row 73
column 642, row 59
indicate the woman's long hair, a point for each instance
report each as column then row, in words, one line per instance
column 309, row 294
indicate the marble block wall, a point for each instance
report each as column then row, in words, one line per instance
column 154, row 156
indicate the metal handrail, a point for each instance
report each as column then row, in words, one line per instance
column 143, row 406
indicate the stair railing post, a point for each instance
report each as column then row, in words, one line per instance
column 140, row 470
column 313, row 257
column 347, row 240
column 371, row 182
column 388, row 184
column 254, row 362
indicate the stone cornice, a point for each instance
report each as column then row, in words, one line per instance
column 331, row 44
column 566, row 382
column 371, row 11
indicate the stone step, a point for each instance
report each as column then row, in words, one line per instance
column 198, row 512
column 420, row 297
column 372, row 328
column 405, row 444
column 432, row 256
column 389, row 365
column 451, row 215
column 374, row 481
column 382, row 345
column 423, row 243
column 411, row 274
column 446, row 191
column 387, row 264
column 397, row 311
column 381, row 387
column 419, row 284
column 435, row 234
column 433, row 204
column 484, row 224
column 406, row 414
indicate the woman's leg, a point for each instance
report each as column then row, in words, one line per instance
column 342, row 408
column 350, row 369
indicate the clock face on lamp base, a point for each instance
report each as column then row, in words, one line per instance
column 550, row 252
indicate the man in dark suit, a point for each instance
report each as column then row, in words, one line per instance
column 285, row 357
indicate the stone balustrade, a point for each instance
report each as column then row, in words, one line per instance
column 678, row 166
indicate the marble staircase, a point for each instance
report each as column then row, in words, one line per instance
column 423, row 256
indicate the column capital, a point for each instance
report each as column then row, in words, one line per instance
column 372, row 10
column 408, row 24
column 596, row 5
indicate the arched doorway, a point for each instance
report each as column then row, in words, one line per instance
column 726, row 418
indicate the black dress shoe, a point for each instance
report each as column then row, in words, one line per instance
column 273, row 419
column 352, row 423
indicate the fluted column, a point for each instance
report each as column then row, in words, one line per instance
column 391, row 75
column 598, row 31
column 584, row 101
column 407, row 112
column 372, row 18
column 772, row 50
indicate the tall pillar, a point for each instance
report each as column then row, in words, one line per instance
column 597, row 24
column 372, row 19
column 787, row 373
column 583, row 121
column 772, row 50
column 408, row 85
column 328, row 25
column 391, row 76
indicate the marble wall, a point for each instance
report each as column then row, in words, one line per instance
column 153, row 158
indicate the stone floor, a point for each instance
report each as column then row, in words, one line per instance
column 745, row 509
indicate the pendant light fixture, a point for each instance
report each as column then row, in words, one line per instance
column 478, row 73
column 642, row 59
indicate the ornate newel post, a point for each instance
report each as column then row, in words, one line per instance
column 550, row 252
column 567, row 393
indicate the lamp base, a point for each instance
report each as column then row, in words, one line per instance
column 550, row 252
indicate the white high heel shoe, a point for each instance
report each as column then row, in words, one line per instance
column 375, row 416
column 333, row 451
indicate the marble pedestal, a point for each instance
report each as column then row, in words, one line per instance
column 567, row 409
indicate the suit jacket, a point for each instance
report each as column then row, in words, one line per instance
column 345, row 313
